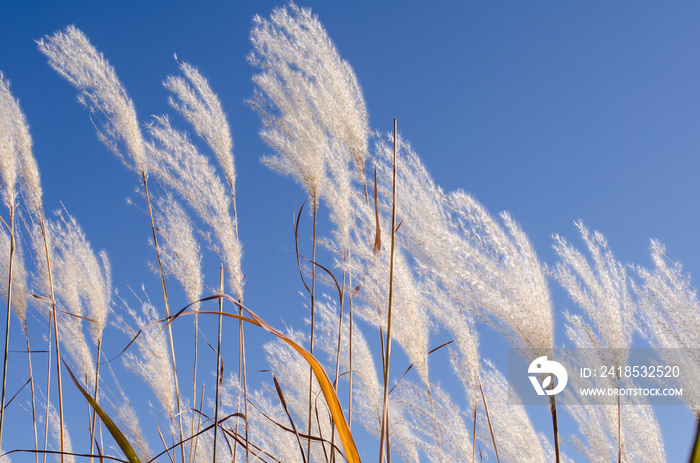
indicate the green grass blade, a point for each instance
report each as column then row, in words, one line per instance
column 695, row 456
column 119, row 438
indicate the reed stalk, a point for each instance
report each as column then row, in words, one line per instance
column 337, row 354
column 350, row 328
column 48, row 388
column 31, row 386
column 167, row 310
column 555, row 426
column 194, row 380
column 619, row 426
column 58, row 348
column 218, row 361
column 97, row 380
column 242, row 374
column 488, row 418
column 474, row 438
column 311, row 342
column 7, row 320
column 199, row 423
column 384, row 440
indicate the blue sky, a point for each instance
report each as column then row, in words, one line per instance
column 552, row 111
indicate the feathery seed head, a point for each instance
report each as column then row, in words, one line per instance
column 501, row 270
column 177, row 162
column 516, row 436
column 129, row 424
column 194, row 99
column 308, row 97
column 9, row 149
column 475, row 260
column 670, row 314
column 72, row 55
column 15, row 126
column 19, row 276
column 598, row 437
column 55, row 427
column 152, row 361
column 601, row 289
column 438, row 425
column 82, row 279
column 180, row 253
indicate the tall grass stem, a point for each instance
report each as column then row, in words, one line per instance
column 488, row 418
column 337, row 353
column 167, row 310
column 7, row 320
column 555, row 426
column 244, row 378
column 194, row 380
column 97, row 381
column 313, row 321
column 59, row 383
column 385, row 406
column 31, row 386
column 218, row 362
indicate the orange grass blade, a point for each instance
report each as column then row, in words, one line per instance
column 327, row 389
column 326, row 386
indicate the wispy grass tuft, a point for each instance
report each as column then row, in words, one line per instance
column 416, row 265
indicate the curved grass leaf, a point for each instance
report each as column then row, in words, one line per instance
column 695, row 456
column 119, row 438
column 351, row 453
column 326, row 385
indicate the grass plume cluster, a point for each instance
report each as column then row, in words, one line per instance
column 405, row 268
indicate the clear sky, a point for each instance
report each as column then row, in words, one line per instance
column 553, row 111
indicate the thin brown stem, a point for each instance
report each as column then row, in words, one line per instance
column 167, row 309
column 44, row 233
column 218, row 362
column 474, row 438
column 242, row 375
column 340, row 328
column 54, row 311
column 385, row 406
column 350, row 327
column 31, row 386
column 194, row 377
column 241, row 338
column 555, row 426
column 97, row 381
column 311, row 343
column 337, row 354
column 58, row 376
column 619, row 427
column 488, row 418
column 199, row 424
column 48, row 388
column 7, row 320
